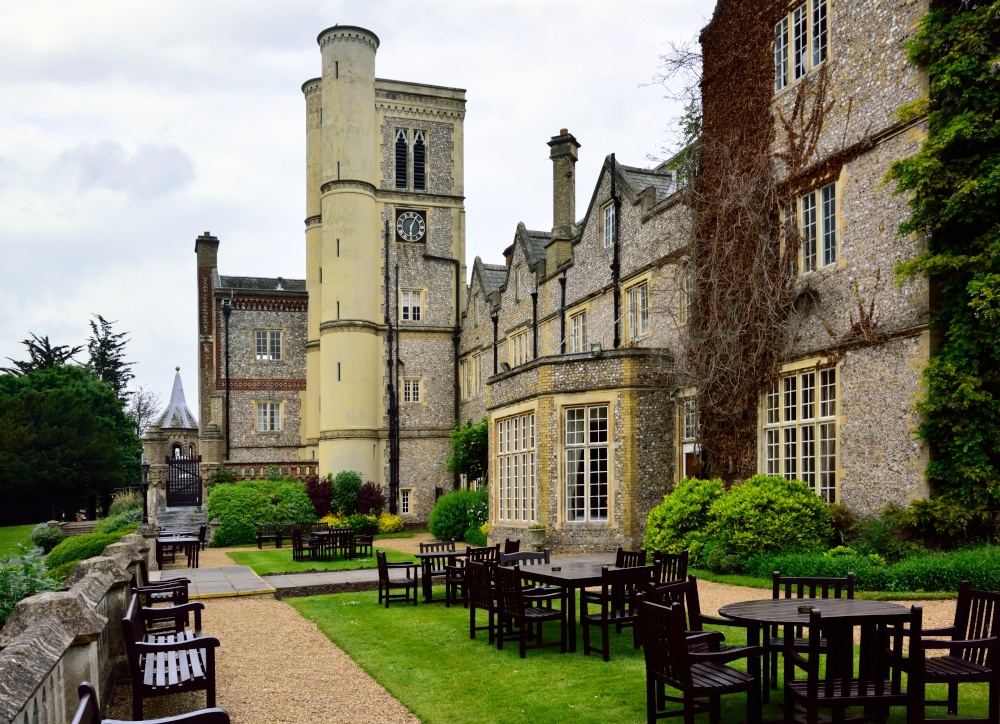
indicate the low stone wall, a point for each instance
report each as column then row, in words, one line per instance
column 54, row 641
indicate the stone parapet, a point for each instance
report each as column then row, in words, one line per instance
column 54, row 641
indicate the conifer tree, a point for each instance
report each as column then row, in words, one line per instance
column 41, row 356
column 107, row 356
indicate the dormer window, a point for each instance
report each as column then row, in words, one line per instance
column 401, row 154
column 419, row 161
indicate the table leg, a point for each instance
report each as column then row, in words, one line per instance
column 425, row 564
column 571, row 617
column 753, row 668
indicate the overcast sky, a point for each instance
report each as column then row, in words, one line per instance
column 128, row 127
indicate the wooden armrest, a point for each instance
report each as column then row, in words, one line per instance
column 203, row 642
column 204, row 716
column 709, row 636
column 543, row 596
column 716, row 621
column 402, row 565
column 168, row 583
column 723, row 657
column 180, row 608
column 946, row 631
column 796, row 658
column 987, row 643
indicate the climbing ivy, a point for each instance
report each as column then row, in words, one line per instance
column 954, row 188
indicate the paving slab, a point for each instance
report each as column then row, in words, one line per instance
column 220, row 582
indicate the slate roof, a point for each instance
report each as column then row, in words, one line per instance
column 492, row 278
column 177, row 415
column 262, row 284
column 536, row 242
column 641, row 179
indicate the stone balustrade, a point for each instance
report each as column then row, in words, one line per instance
column 54, row 641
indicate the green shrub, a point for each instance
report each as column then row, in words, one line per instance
column 117, row 522
column 389, row 523
column 455, row 512
column 885, row 535
column 474, row 535
column 371, row 499
column 363, row 523
column 23, row 579
column 46, row 538
column 720, row 558
column 681, row 520
column 840, row 551
column 221, row 476
column 920, row 572
column 63, row 571
column 241, row 506
column 125, row 500
column 346, row 487
column 81, row 547
column 770, row 513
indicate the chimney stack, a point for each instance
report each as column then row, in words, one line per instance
column 564, row 153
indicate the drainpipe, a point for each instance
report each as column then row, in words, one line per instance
column 534, row 324
column 390, row 365
column 562, row 314
column 395, row 435
column 227, row 309
column 496, row 323
column 615, row 266
column 456, row 339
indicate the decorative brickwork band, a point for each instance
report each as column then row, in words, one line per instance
column 314, row 221
column 270, row 304
column 260, row 385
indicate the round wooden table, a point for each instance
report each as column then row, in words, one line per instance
column 771, row 612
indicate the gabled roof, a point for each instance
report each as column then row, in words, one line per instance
column 640, row 179
column 177, row 415
column 262, row 284
column 492, row 277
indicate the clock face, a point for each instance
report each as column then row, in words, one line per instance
column 410, row 225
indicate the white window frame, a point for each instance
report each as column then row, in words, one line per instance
column 801, row 42
column 578, row 332
column 608, row 224
column 517, row 348
column 637, row 297
column 587, row 461
column 800, row 429
column 818, row 228
column 516, row 466
column 404, row 501
column 412, row 391
column 268, row 345
column 268, row 415
column 411, row 305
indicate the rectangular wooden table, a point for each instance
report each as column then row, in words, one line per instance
column 189, row 545
column 427, row 567
column 570, row 577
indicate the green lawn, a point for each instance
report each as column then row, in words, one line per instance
column 400, row 534
column 423, row 656
column 279, row 560
column 11, row 535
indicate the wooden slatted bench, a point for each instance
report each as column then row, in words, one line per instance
column 89, row 712
column 167, row 662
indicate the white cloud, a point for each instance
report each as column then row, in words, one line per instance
column 148, row 171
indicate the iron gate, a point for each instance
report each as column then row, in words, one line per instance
column 183, row 481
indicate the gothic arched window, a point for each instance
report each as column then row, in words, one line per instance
column 419, row 162
column 176, row 450
column 401, row 159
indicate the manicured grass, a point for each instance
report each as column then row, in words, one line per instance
column 400, row 534
column 765, row 583
column 423, row 656
column 279, row 560
column 11, row 536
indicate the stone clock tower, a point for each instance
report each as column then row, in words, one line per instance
column 382, row 151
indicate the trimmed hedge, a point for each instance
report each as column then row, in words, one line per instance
column 681, row 520
column 117, row 522
column 455, row 513
column 921, row 572
column 47, row 538
column 81, row 547
column 241, row 506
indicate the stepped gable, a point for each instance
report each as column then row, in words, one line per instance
column 177, row 415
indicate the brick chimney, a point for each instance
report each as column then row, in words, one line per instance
column 564, row 153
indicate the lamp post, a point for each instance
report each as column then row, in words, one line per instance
column 145, row 491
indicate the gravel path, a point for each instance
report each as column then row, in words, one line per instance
column 274, row 666
column 407, row 545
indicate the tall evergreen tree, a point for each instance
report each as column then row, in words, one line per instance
column 41, row 356
column 107, row 356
